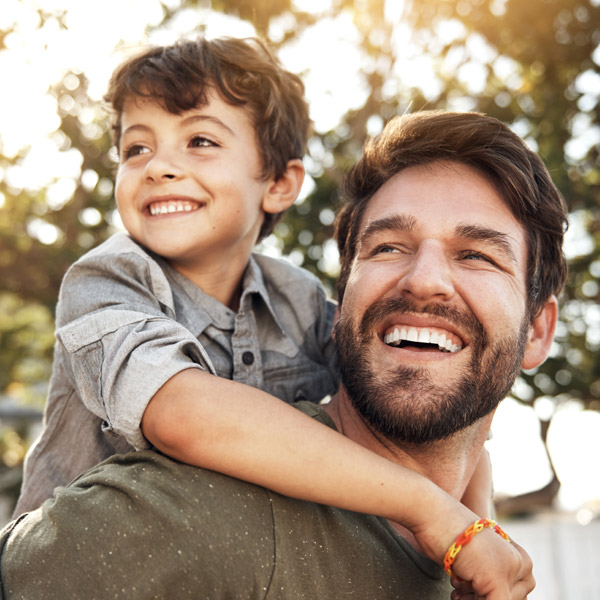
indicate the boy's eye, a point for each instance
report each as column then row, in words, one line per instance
column 134, row 151
column 199, row 141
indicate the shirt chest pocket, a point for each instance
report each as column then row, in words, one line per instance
column 299, row 379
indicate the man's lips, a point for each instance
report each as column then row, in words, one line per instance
column 434, row 329
column 422, row 337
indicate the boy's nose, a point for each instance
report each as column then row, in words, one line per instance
column 428, row 274
column 160, row 168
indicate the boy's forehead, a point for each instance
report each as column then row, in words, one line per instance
column 231, row 123
column 211, row 99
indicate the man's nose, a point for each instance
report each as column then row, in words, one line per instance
column 161, row 167
column 428, row 275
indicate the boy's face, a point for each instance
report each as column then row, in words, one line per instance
column 188, row 186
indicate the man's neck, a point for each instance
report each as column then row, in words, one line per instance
column 449, row 463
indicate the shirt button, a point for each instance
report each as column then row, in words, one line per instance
column 247, row 358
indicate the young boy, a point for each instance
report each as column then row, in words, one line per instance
column 161, row 333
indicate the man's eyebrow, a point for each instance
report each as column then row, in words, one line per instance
column 209, row 119
column 395, row 223
column 499, row 240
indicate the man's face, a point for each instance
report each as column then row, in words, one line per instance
column 433, row 325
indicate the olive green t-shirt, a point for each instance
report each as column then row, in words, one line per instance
column 142, row 526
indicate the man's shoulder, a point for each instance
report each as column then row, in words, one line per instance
column 129, row 524
column 153, row 475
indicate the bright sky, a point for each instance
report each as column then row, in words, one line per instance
column 97, row 37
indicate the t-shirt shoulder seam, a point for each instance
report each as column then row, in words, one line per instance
column 274, row 537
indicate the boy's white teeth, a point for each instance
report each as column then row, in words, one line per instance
column 163, row 208
column 421, row 336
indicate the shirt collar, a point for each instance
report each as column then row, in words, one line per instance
column 254, row 283
column 198, row 310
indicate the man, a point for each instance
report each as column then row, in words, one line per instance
column 450, row 246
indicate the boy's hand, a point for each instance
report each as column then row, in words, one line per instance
column 492, row 569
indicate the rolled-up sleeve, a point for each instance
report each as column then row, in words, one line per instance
column 116, row 325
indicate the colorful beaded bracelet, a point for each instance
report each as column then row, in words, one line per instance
column 464, row 538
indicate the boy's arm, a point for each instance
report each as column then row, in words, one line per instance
column 478, row 495
column 253, row 436
column 246, row 433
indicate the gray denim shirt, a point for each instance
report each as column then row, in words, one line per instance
column 127, row 322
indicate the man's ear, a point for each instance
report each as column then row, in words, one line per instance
column 540, row 335
column 281, row 193
column 336, row 318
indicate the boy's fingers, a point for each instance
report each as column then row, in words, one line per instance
column 526, row 563
column 517, row 584
column 518, row 591
column 463, row 590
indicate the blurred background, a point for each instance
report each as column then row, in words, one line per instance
column 534, row 64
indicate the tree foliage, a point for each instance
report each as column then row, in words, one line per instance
column 534, row 65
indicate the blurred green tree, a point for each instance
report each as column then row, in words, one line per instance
column 532, row 64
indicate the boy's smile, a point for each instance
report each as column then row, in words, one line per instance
column 189, row 186
column 169, row 205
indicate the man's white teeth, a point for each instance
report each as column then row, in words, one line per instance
column 164, row 208
column 421, row 336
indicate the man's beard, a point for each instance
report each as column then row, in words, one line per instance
column 405, row 405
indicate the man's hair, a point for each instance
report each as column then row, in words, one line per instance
column 488, row 146
column 244, row 72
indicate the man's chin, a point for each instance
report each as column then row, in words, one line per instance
column 409, row 409
column 422, row 403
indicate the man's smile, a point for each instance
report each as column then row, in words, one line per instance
column 422, row 337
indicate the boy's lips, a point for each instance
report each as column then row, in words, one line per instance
column 171, row 205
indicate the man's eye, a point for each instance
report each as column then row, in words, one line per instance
column 477, row 256
column 199, row 141
column 384, row 250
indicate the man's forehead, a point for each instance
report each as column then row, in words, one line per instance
column 453, row 197
column 415, row 192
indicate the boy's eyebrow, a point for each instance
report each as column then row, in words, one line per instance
column 187, row 121
column 499, row 240
column 214, row 120
column 136, row 127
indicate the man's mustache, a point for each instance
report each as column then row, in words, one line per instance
column 381, row 309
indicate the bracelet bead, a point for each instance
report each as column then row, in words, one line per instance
column 464, row 538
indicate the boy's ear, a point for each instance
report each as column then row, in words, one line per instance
column 540, row 335
column 280, row 194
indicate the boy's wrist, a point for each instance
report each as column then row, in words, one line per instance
column 437, row 521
